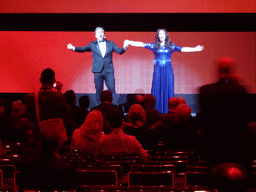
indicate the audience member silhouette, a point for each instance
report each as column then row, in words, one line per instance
column 168, row 118
column 105, row 107
column 139, row 128
column 20, row 122
column 84, row 103
column 152, row 115
column 8, row 131
column 181, row 135
column 45, row 170
column 75, row 110
column 86, row 138
column 224, row 107
column 52, row 103
column 230, row 177
column 117, row 142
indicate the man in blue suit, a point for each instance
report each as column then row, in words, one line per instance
column 102, row 65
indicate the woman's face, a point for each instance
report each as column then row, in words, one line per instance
column 162, row 35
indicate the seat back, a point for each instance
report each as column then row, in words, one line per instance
column 126, row 161
column 151, row 176
column 96, row 178
column 151, row 179
column 179, row 161
column 1, row 178
column 197, row 176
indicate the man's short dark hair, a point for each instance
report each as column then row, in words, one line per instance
column 115, row 117
column 70, row 97
column 106, row 96
column 47, row 76
column 84, row 101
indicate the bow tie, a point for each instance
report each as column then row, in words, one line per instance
column 101, row 41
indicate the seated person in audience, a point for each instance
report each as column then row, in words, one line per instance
column 8, row 132
column 230, row 177
column 105, row 107
column 71, row 99
column 21, row 123
column 86, row 138
column 134, row 99
column 182, row 100
column 139, row 128
column 168, row 118
column 181, row 135
column 84, row 103
column 117, row 142
column 45, row 170
column 152, row 115
column 73, row 113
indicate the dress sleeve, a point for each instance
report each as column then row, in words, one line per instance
column 176, row 48
column 149, row 46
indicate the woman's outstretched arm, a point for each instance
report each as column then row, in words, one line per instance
column 135, row 43
column 192, row 49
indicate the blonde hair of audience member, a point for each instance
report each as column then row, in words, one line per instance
column 182, row 113
column 92, row 127
column 137, row 115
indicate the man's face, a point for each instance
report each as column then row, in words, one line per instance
column 99, row 34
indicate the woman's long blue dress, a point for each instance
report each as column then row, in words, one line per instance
column 163, row 79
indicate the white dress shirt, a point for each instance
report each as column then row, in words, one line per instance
column 102, row 46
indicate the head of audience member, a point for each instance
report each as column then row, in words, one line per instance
column 84, row 101
column 230, row 177
column 115, row 118
column 182, row 113
column 5, row 107
column 106, row 96
column 47, row 77
column 173, row 103
column 137, row 115
column 182, row 100
column 92, row 127
column 225, row 67
column 18, row 109
column 149, row 101
column 70, row 97
column 139, row 99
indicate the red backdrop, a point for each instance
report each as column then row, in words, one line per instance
column 25, row 54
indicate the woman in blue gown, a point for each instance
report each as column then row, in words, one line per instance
column 163, row 79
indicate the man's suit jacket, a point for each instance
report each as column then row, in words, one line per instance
column 225, row 100
column 98, row 61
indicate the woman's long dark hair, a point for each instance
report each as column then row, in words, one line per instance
column 168, row 43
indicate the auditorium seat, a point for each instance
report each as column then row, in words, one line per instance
column 153, row 176
column 126, row 161
column 197, row 177
column 96, row 178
